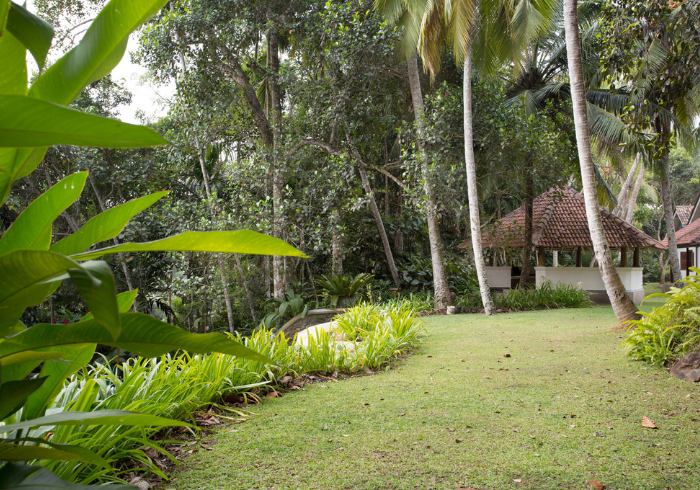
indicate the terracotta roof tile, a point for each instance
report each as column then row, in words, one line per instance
column 559, row 222
column 688, row 235
column 684, row 213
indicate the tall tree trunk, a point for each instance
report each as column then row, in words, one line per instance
column 337, row 245
column 219, row 256
column 667, row 200
column 624, row 308
column 248, row 296
column 440, row 286
column 629, row 212
column 380, row 226
column 529, row 211
column 621, row 207
column 474, row 219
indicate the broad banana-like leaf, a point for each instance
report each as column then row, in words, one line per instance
column 11, row 451
column 28, row 356
column 72, row 359
column 13, row 394
column 24, row 281
column 104, row 226
column 4, row 11
column 140, row 334
column 26, row 122
column 25, row 477
column 241, row 242
column 13, row 76
column 32, row 228
column 97, row 417
column 35, row 33
column 100, row 298
column 95, row 54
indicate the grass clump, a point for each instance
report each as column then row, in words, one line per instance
column 546, row 297
column 670, row 331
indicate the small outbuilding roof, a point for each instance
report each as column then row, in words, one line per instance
column 560, row 223
column 684, row 213
column 688, row 236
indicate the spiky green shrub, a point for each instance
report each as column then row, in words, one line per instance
column 670, row 331
column 546, row 297
column 341, row 287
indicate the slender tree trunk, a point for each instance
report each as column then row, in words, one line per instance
column 624, row 308
column 219, row 256
column 621, row 207
column 440, row 286
column 380, row 226
column 667, row 200
column 529, row 210
column 629, row 212
column 120, row 257
column 474, row 219
column 248, row 296
column 337, row 245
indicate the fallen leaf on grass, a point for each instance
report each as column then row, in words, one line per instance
column 646, row 422
column 517, row 480
column 274, row 394
column 596, row 484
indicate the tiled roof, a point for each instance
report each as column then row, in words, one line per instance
column 684, row 213
column 688, row 235
column 559, row 222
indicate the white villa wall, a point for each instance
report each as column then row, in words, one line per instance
column 499, row 277
column 590, row 279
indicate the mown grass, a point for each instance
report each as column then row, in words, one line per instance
column 564, row 408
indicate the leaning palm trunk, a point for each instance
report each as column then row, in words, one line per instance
column 624, row 308
column 629, row 212
column 380, row 226
column 470, row 162
column 621, row 208
column 441, row 289
column 668, row 215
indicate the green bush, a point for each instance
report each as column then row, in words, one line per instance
column 342, row 288
column 546, row 297
column 670, row 331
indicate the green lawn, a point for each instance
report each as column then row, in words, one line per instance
column 564, row 408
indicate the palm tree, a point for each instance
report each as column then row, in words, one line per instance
column 624, row 308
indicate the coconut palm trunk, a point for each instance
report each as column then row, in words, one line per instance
column 470, row 162
column 629, row 212
column 622, row 198
column 624, row 308
column 440, row 286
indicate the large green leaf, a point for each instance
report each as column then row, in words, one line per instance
column 141, row 334
column 28, row 356
column 54, row 373
column 15, row 164
column 100, row 298
column 98, row 51
column 10, row 450
column 24, row 277
column 27, row 123
column 98, row 417
column 32, row 229
column 13, row 76
column 104, row 226
column 13, row 394
column 4, row 10
column 24, row 477
column 241, row 242
column 35, row 33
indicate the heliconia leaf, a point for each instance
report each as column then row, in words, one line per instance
column 13, row 394
column 104, row 226
column 95, row 54
column 4, row 11
column 54, row 373
column 28, row 356
column 29, row 230
column 125, row 301
column 15, row 164
column 24, row 276
column 28, row 123
column 97, row 417
column 241, row 242
column 58, row 451
column 32, row 31
column 100, row 298
column 13, row 76
column 140, row 334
